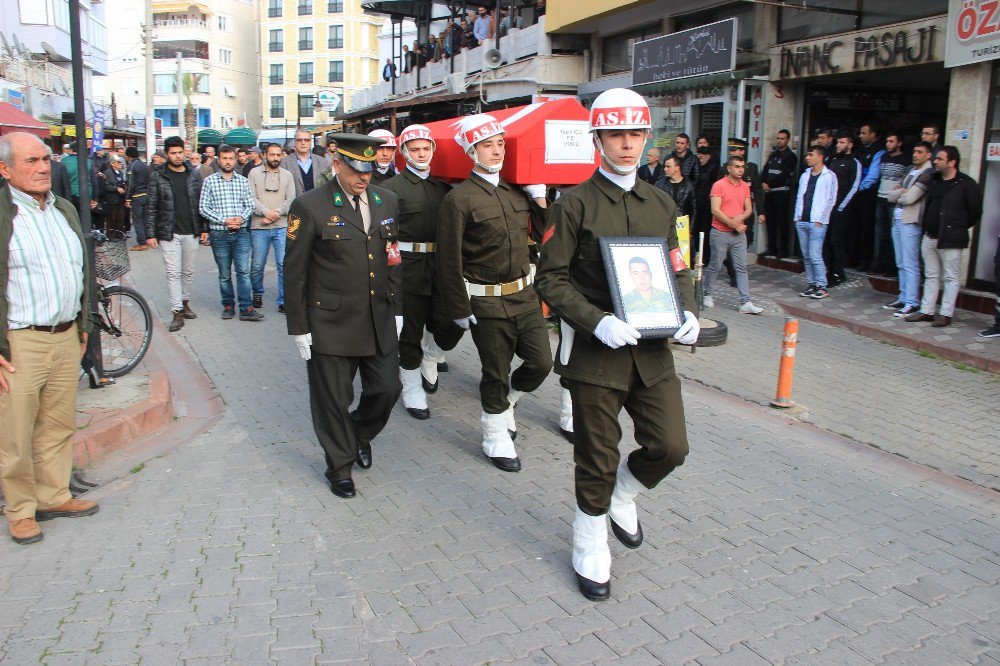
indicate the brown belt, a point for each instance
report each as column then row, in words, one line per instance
column 58, row 328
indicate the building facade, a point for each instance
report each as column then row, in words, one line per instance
column 35, row 55
column 312, row 50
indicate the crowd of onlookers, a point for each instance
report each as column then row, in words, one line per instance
column 477, row 27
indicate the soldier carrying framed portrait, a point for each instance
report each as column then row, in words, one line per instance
column 643, row 287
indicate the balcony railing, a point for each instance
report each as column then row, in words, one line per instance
column 274, row 12
column 335, row 77
column 306, row 78
column 335, row 43
column 305, row 45
column 275, row 46
column 277, row 112
column 276, row 80
column 336, row 7
column 181, row 23
column 305, row 10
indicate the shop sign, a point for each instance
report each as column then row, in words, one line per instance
column 756, row 133
column 993, row 152
column 912, row 43
column 973, row 33
column 708, row 49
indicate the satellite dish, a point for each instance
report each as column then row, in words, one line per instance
column 6, row 45
column 51, row 52
column 492, row 58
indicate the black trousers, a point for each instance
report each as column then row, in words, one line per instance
column 861, row 230
column 331, row 391
column 658, row 414
column 421, row 311
column 776, row 208
column 834, row 248
column 497, row 341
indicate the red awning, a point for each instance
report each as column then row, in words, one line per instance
column 13, row 119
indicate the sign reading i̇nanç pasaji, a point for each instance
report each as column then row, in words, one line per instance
column 707, row 49
column 900, row 45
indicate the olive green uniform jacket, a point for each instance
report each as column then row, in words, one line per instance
column 338, row 284
column 483, row 237
column 572, row 279
column 420, row 203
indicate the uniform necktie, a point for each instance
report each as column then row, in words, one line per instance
column 365, row 214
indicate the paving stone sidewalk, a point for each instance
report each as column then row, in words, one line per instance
column 935, row 412
column 772, row 544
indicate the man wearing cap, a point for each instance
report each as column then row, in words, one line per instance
column 344, row 306
column 485, row 275
column 384, row 156
column 256, row 159
column 420, row 198
column 605, row 362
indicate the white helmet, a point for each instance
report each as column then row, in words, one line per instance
column 390, row 140
column 618, row 108
column 409, row 134
column 472, row 130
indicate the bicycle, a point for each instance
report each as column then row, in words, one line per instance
column 122, row 314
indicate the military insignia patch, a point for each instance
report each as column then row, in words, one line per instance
column 377, row 199
column 369, row 152
column 335, row 218
column 338, row 200
column 293, row 227
column 549, row 233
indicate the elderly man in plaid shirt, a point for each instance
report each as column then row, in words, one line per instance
column 227, row 203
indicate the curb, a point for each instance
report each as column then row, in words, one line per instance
column 906, row 341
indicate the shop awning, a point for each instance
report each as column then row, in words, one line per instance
column 241, row 136
column 704, row 81
column 209, row 137
column 12, row 119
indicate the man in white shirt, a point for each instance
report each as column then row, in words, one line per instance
column 814, row 202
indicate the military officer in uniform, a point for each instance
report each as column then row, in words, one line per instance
column 344, row 305
column 605, row 362
column 420, row 198
column 485, row 276
column 385, row 155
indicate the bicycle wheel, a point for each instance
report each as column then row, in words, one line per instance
column 129, row 330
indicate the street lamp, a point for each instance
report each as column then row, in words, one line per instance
column 298, row 107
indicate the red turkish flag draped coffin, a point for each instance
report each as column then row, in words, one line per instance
column 547, row 143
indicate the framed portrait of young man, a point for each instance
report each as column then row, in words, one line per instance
column 643, row 287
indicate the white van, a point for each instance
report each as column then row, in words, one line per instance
column 282, row 137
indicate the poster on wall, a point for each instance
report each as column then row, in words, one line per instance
column 973, row 32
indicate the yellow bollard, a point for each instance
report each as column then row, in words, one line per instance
column 789, row 342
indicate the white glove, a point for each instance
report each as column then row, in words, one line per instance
column 534, row 191
column 687, row 334
column 465, row 323
column 399, row 325
column 304, row 343
column 615, row 333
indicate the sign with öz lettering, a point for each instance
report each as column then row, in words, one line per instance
column 568, row 142
column 707, row 49
column 973, row 32
column 993, row 152
column 900, row 45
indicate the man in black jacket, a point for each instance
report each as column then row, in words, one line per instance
column 847, row 169
column 652, row 170
column 954, row 205
column 777, row 181
column 174, row 224
column 61, row 186
column 688, row 161
column 681, row 190
column 136, row 194
column 707, row 175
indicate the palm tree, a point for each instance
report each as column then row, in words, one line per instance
column 189, row 85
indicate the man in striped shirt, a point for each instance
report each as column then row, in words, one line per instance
column 227, row 203
column 43, row 269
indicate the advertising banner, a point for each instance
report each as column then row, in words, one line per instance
column 973, row 32
column 707, row 49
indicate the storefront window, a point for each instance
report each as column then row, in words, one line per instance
column 828, row 17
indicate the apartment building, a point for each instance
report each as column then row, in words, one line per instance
column 314, row 47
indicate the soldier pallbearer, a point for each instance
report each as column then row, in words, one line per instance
column 385, row 167
column 485, row 278
column 420, row 198
column 602, row 359
column 344, row 306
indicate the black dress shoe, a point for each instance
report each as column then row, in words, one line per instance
column 428, row 387
column 628, row 540
column 343, row 488
column 421, row 414
column 512, row 433
column 443, row 367
column 569, row 435
column 364, row 458
column 506, row 464
column 593, row 591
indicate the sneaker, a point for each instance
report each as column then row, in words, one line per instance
column 228, row 312
column 991, row 332
column 895, row 305
column 820, row 292
column 281, row 308
column 707, row 302
column 907, row 311
column 258, row 300
column 809, row 291
column 251, row 315
column 750, row 308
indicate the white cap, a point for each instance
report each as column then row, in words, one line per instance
column 474, row 129
column 390, row 140
column 619, row 108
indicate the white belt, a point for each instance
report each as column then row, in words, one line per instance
column 416, row 247
column 502, row 289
